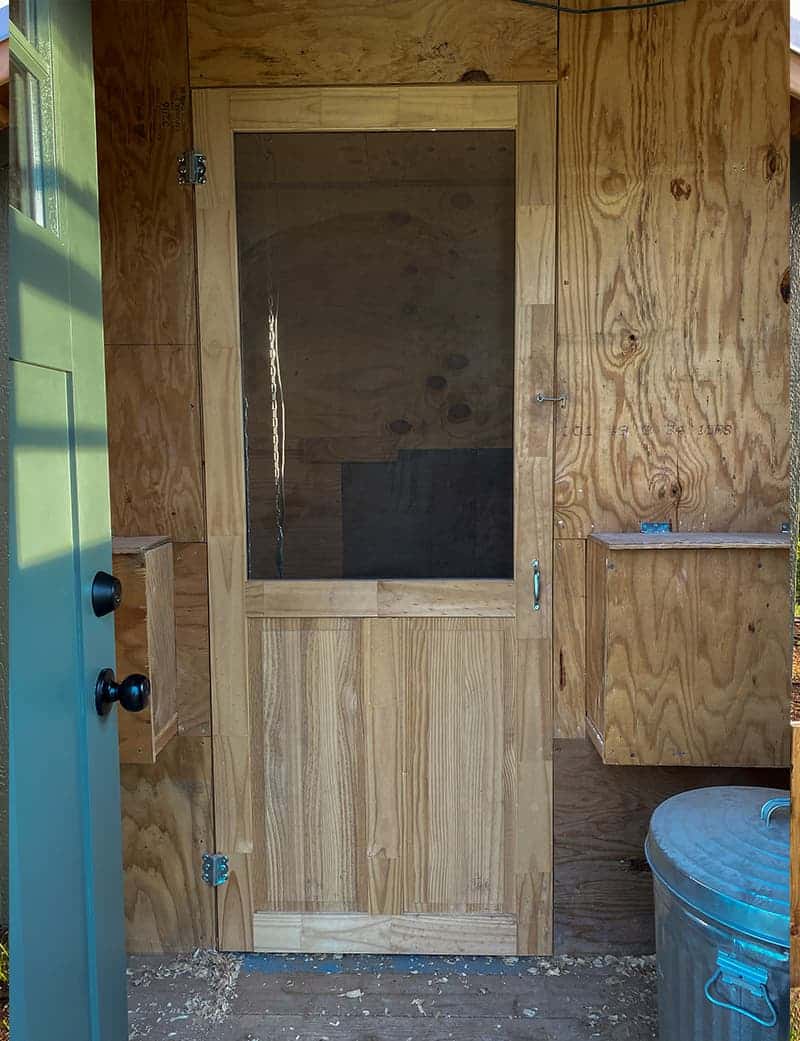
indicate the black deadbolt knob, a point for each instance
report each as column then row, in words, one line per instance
column 106, row 593
column 133, row 693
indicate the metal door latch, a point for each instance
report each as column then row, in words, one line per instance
column 541, row 398
column 192, row 168
column 215, row 869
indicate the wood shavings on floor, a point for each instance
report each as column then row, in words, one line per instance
column 206, row 980
column 218, row 997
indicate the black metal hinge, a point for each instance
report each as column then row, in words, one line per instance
column 192, row 168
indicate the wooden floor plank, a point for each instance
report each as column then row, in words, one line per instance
column 405, row 1028
column 391, row 999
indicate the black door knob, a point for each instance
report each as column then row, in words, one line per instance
column 133, row 693
column 106, row 593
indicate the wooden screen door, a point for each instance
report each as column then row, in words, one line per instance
column 382, row 748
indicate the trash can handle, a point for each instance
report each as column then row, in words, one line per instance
column 739, row 974
column 783, row 802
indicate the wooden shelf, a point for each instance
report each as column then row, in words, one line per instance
column 145, row 642
column 693, row 540
column 688, row 651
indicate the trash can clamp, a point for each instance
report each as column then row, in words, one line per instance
column 753, row 978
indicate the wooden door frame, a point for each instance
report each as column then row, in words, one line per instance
column 530, row 111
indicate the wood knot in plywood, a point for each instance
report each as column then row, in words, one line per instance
column 614, row 183
column 773, row 163
column 680, row 188
column 786, row 286
column 459, row 413
column 457, row 361
column 400, row 426
column 476, row 76
column 638, row 865
column 631, row 344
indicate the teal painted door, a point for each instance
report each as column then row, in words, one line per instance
column 66, row 910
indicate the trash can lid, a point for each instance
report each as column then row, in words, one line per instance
column 717, row 851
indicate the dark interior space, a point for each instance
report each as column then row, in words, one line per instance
column 385, row 380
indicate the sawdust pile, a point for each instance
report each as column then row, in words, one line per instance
column 214, row 973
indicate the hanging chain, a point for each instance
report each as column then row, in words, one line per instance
column 278, row 431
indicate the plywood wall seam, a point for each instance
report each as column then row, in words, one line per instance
column 196, row 291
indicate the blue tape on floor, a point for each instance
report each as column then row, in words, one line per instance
column 283, row 964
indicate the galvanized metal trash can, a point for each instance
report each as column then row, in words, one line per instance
column 720, row 861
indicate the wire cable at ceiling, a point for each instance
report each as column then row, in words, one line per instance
column 563, row 9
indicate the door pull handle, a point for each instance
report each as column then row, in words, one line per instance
column 537, row 585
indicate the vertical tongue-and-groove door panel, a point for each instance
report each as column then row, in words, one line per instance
column 382, row 745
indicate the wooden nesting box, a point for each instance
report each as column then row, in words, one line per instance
column 689, row 649
column 145, row 643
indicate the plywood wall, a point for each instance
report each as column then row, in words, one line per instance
column 147, row 228
column 327, row 42
column 673, row 250
column 794, row 926
column 147, row 232
column 672, row 322
column 603, row 889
